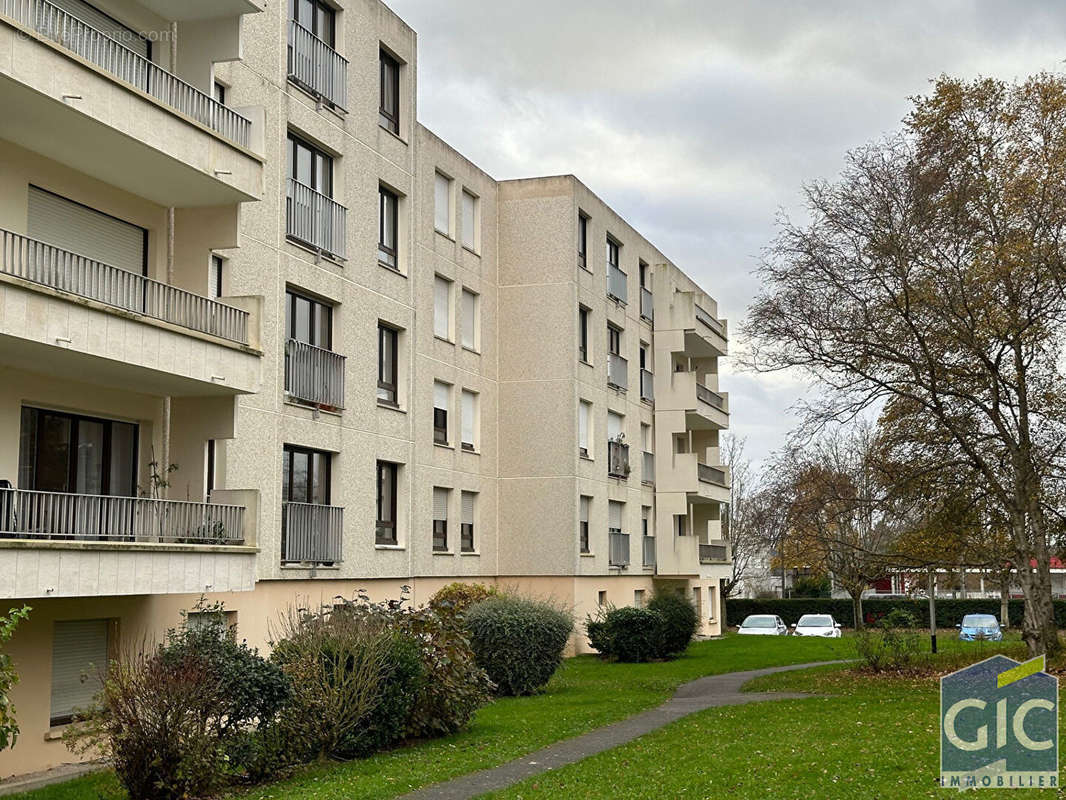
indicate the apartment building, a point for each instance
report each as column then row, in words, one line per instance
column 267, row 339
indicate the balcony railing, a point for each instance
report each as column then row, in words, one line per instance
column 44, row 264
column 648, row 473
column 617, row 459
column 55, row 24
column 712, row 475
column 617, row 371
column 311, row 533
column 710, row 397
column 29, row 514
column 314, row 375
column 618, row 549
column 709, row 321
column 714, row 552
column 648, row 547
column 646, row 392
column 315, row 219
column 617, row 283
column 316, row 66
column 647, row 306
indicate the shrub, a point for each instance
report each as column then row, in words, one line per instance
column 627, row 633
column 519, row 642
column 9, row 728
column 458, row 597
column 680, row 621
column 891, row 644
column 812, row 586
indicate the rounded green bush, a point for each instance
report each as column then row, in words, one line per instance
column 628, row 634
column 519, row 642
column 680, row 621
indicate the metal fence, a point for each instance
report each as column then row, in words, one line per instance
column 646, row 382
column 618, row 549
column 710, row 397
column 617, row 283
column 617, row 459
column 648, row 545
column 647, row 306
column 315, row 219
column 712, row 475
column 316, row 66
column 709, row 321
column 30, row 514
column 42, row 263
column 311, row 533
column 617, row 371
column 55, row 24
column 648, row 473
column 313, row 374
column 714, row 552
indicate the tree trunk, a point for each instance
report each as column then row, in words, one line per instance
column 856, row 608
column 1004, row 599
column 1038, row 624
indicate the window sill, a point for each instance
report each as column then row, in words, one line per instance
column 444, row 552
column 320, row 255
column 392, row 269
column 320, row 101
column 587, row 555
column 471, row 251
column 583, row 268
column 583, row 361
column 447, row 236
column 55, row 732
column 444, row 445
column 389, row 547
column 471, row 350
column 469, row 553
column 291, row 401
column 445, row 339
column 391, row 406
column 309, row 567
column 471, row 450
column 395, row 136
column 586, row 458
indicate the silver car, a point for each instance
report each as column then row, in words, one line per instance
column 763, row 625
column 817, row 625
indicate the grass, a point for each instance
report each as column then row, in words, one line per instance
column 585, row 694
column 866, row 736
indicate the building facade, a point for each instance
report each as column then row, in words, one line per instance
column 267, row 339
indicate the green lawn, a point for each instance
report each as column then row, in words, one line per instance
column 867, row 737
column 585, row 694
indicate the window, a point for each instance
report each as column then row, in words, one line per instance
column 468, row 501
column 583, row 523
column 388, row 208
column 582, row 240
column 218, row 92
column 645, row 437
column 469, row 420
column 442, row 308
column 440, row 412
column 470, row 226
column 697, row 601
column 440, row 519
column 601, row 597
column 442, row 203
column 645, row 357
column 305, row 475
column 469, row 332
column 615, row 423
column 680, row 521
column 645, row 520
column 79, row 648
column 310, row 166
column 643, row 275
column 386, row 522
column 387, row 373
column 615, row 510
column 389, row 110
column 315, row 16
column 209, row 477
column 638, row 598
column 583, row 334
column 612, row 252
column 307, row 320
column 214, row 278
column 710, row 602
column 584, row 421
column 614, row 340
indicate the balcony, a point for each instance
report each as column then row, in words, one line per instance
column 315, row 220
column 54, row 544
column 314, row 375
column 617, row 460
column 617, row 371
column 311, row 534
column 617, row 284
column 647, row 474
column 704, row 408
column 714, row 553
column 714, row 475
column 700, row 482
column 618, row 549
column 647, row 305
column 648, row 548
column 317, row 67
column 647, row 391
column 73, row 83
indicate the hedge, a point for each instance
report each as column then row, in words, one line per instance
column 949, row 612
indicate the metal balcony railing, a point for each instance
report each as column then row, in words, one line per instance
column 29, row 514
column 710, row 397
column 617, row 283
column 311, row 533
column 703, row 316
column 647, row 306
column 66, row 30
column 50, row 266
column 714, row 552
column 317, row 67
column 618, row 549
column 313, row 374
column 315, row 219
column 648, row 472
column 617, row 459
column 712, row 475
column 648, row 547
column 617, row 371
column 646, row 381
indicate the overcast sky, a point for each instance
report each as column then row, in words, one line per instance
column 697, row 120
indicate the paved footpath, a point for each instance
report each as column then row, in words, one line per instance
column 709, row 692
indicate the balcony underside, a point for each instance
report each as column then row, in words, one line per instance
column 187, row 10
column 709, row 493
column 704, row 343
column 705, row 418
column 110, row 131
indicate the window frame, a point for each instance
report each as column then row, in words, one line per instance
column 440, row 526
column 475, row 319
column 474, row 244
column 614, row 339
column 466, row 529
column 388, row 119
column 450, row 189
column 385, row 330
column 288, row 482
column 392, row 470
column 440, row 415
column 292, row 297
column 471, row 446
column 319, row 158
column 388, row 255
column 583, row 240
column 583, row 543
column 584, row 318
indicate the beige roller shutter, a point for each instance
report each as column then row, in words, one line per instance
column 79, row 657
column 440, row 503
column 70, row 226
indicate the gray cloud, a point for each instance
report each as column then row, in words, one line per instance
column 697, row 120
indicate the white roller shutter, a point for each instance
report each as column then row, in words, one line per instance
column 468, row 507
column 614, row 515
column 441, row 307
column 440, row 503
column 586, row 502
column 440, row 395
column 469, row 318
column 67, row 225
column 442, row 203
column 583, row 412
column 614, row 424
column 79, row 649
column 97, row 19
column 468, row 414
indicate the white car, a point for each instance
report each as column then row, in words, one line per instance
column 817, row 625
column 763, row 625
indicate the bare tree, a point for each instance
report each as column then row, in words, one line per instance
column 745, row 542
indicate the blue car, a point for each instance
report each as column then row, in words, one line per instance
column 980, row 626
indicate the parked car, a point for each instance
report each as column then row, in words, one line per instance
column 763, row 625
column 980, row 626
column 817, row 625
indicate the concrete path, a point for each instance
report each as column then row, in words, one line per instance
column 709, row 692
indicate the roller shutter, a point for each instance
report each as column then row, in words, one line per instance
column 79, row 657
